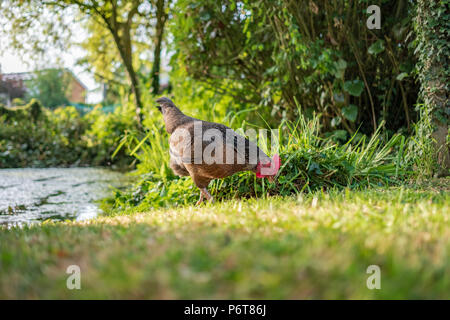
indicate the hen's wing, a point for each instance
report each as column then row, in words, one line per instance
column 185, row 139
column 239, row 153
column 245, row 150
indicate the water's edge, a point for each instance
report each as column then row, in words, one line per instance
column 33, row 195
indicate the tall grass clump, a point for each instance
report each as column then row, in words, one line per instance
column 309, row 163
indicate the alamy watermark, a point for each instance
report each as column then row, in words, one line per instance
column 374, row 20
column 74, row 280
column 374, row 280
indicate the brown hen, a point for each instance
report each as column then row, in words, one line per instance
column 207, row 150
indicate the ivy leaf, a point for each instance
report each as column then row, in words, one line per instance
column 314, row 167
column 355, row 87
column 205, row 16
column 340, row 67
column 376, row 47
column 339, row 135
column 339, row 99
column 350, row 112
column 336, row 121
column 401, row 76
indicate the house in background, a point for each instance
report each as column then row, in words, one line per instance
column 16, row 85
column 77, row 90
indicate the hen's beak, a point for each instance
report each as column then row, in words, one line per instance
column 159, row 107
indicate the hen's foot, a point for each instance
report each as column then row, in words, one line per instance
column 204, row 193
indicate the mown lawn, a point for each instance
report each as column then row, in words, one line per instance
column 313, row 246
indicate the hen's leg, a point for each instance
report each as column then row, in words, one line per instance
column 201, row 198
column 207, row 195
column 200, row 182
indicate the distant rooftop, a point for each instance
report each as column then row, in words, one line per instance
column 29, row 75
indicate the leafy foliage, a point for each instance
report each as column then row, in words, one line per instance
column 50, row 87
column 319, row 54
column 33, row 136
column 432, row 134
column 432, row 26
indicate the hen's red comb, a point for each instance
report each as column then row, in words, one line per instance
column 277, row 162
column 269, row 169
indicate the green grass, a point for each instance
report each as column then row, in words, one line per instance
column 317, row 245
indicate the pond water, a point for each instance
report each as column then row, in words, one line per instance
column 34, row 195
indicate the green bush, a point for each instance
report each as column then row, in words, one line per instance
column 276, row 54
column 33, row 136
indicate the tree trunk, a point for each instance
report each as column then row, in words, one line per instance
column 137, row 94
column 124, row 47
column 433, row 54
column 161, row 18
